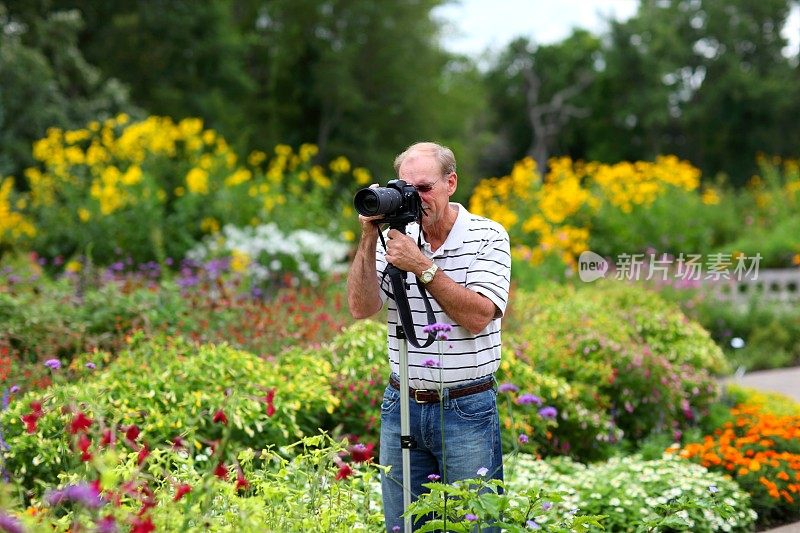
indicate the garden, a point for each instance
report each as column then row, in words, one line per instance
column 176, row 352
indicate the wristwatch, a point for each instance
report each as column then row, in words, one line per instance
column 427, row 275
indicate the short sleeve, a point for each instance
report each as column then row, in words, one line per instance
column 490, row 273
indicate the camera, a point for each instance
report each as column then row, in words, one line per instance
column 398, row 202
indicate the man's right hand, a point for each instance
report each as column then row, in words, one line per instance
column 370, row 225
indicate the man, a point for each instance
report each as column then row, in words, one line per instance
column 465, row 265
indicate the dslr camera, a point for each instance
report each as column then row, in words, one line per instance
column 398, row 202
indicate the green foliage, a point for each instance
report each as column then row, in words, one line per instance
column 641, row 361
column 477, row 503
column 47, row 82
column 169, row 388
column 639, row 495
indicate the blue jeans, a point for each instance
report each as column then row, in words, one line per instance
column 471, row 442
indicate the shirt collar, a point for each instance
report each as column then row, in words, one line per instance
column 458, row 233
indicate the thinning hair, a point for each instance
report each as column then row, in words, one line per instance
column 443, row 154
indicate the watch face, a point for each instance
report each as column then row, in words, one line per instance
column 427, row 277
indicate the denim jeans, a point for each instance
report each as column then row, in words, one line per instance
column 471, row 442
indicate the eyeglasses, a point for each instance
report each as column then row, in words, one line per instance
column 426, row 187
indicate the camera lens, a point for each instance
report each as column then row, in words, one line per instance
column 374, row 201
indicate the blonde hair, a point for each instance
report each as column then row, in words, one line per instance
column 443, row 154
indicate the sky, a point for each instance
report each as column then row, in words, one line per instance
column 476, row 26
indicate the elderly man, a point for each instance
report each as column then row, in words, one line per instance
column 465, row 265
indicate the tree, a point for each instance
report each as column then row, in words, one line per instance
column 47, row 83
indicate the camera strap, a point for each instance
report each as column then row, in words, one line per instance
column 397, row 279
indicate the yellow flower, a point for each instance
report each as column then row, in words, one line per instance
column 83, row 214
column 710, row 196
column 132, row 176
column 197, row 181
column 240, row 176
column 73, row 266
column 209, row 225
column 340, row 165
column 348, row 235
column 239, row 261
column 307, row 151
column 361, row 175
column 256, row 158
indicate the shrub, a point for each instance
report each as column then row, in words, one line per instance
column 761, row 452
column 169, row 388
column 155, row 187
column 631, row 493
column 646, row 365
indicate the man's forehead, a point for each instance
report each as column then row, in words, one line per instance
column 419, row 158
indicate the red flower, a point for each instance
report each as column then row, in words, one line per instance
column 143, row 454
column 241, row 482
column 269, row 400
column 81, row 422
column 30, row 422
column 107, row 438
column 221, row 472
column 181, row 491
column 132, row 433
column 361, row 453
column 344, row 472
column 177, row 443
column 36, row 407
column 219, row 417
column 139, row 525
column 83, row 446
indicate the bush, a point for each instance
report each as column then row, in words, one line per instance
column 632, row 493
column 761, row 452
column 168, row 388
column 646, row 366
column 155, row 188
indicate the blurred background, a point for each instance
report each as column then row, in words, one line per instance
column 176, row 185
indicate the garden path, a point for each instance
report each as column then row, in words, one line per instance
column 785, row 381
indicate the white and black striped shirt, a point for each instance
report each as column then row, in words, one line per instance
column 477, row 256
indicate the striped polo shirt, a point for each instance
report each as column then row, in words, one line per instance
column 475, row 255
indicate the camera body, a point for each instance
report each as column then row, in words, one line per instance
column 398, row 202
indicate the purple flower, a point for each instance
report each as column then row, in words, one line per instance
column 14, row 389
column 532, row 524
column 437, row 327
column 507, row 387
column 527, row 399
column 53, row 364
column 84, row 494
column 469, row 517
column 9, row 524
column 396, row 529
column 546, row 506
column 482, row 471
column 523, row 438
column 90, row 365
column 107, row 525
column 548, row 412
column 434, row 477
column 713, row 489
column 431, row 363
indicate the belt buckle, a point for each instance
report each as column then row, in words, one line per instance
column 416, row 398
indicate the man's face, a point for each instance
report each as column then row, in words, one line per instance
column 421, row 170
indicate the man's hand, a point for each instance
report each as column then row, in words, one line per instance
column 403, row 253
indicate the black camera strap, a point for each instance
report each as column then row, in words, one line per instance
column 397, row 278
column 399, row 294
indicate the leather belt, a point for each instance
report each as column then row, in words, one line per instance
column 432, row 396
